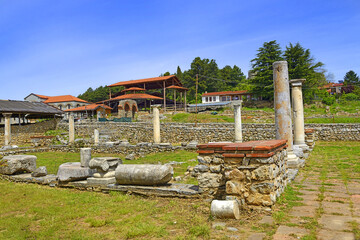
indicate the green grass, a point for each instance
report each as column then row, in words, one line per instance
column 30, row 211
column 333, row 120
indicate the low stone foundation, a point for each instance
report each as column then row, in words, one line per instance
column 253, row 173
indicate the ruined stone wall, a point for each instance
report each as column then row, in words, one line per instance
column 20, row 134
column 253, row 173
column 207, row 132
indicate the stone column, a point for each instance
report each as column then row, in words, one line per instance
column 298, row 112
column 85, row 156
column 96, row 137
column 237, row 117
column 282, row 107
column 71, row 129
column 7, row 134
column 156, row 123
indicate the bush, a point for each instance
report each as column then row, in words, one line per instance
column 329, row 100
column 350, row 97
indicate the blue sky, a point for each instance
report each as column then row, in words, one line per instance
column 65, row 46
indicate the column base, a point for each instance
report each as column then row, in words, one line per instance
column 293, row 161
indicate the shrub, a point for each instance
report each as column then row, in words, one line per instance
column 329, row 100
column 350, row 97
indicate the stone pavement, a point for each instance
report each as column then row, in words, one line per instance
column 330, row 206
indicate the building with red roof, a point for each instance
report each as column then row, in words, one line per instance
column 62, row 102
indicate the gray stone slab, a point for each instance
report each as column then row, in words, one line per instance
column 73, row 172
column 13, row 164
column 101, row 181
column 334, row 235
column 39, row 172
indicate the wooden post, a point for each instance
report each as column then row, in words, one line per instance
column 196, row 93
column 164, row 96
column 181, row 99
column 174, row 100
column 109, row 92
column 185, row 101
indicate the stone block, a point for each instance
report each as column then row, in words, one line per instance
column 17, row 164
column 73, row 171
column 85, row 156
column 39, row 172
column 210, row 180
column 101, row 181
column 234, row 187
column 235, row 175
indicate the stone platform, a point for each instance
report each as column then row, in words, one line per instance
column 169, row 190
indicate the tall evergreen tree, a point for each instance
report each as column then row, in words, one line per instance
column 179, row 73
column 351, row 78
column 302, row 65
column 262, row 82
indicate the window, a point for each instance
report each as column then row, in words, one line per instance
column 206, row 99
column 78, row 105
column 60, row 107
column 214, row 99
column 223, row 98
column 68, row 106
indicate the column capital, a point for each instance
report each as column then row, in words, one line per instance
column 7, row 114
column 297, row 82
column 237, row 103
column 156, row 106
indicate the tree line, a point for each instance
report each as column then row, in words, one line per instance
column 211, row 78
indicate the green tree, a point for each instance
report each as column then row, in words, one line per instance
column 262, row 82
column 179, row 73
column 351, row 78
column 207, row 71
column 232, row 77
column 302, row 65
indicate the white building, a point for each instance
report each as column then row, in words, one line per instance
column 226, row 96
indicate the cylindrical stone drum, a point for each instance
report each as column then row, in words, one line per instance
column 143, row 174
column 225, row 209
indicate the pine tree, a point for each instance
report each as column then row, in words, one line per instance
column 351, row 78
column 262, row 82
column 179, row 74
column 302, row 65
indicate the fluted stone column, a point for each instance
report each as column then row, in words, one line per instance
column 96, row 137
column 156, row 124
column 7, row 133
column 282, row 107
column 298, row 112
column 71, row 129
column 237, row 117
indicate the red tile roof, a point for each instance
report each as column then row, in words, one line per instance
column 225, row 93
column 133, row 89
column 41, row 96
column 134, row 96
column 91, row 107
column 146, row 80
column 177, row 87
column 64, row 98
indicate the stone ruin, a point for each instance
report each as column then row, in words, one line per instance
column 239, row 175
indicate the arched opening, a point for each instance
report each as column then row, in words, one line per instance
column 60, row 107
column 127, row 109
column 134, row 109
column 68, row 106
column 78, row 105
